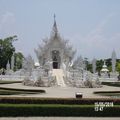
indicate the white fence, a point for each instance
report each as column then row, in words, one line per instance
column 108, row 79
column 12, row 77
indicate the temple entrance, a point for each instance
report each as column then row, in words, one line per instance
column 56, row 59
column 55, row 65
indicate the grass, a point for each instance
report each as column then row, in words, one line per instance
column 14, row 91
column 9, row 82
column 115, row 94
column 7, row 91
column 51, row 105
column 22, row 106
column 46, row 105
column 115, row 84
column 15, row 110
column 63, row 101
column 18, row 89
column 98, row 92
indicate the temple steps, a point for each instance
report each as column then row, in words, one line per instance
column 59, row 77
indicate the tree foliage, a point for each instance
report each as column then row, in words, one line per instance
column 6, row 50
column 118, row 67
column 99, row 64
column 18, row 60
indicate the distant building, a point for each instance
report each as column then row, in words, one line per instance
column 104, row 68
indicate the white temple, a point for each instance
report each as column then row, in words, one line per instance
column 57, row 68
column 55, row 50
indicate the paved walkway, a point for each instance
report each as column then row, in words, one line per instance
column 61, row 118
column 63, row 92
column 59, row 77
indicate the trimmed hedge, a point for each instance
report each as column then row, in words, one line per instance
column 9, row 82
column 97, row 92
column 55, row 110
column 28, row 106
column 27, row 90
column 69, row 101
column 115, row 84
column 13, row 92
column 114, row 94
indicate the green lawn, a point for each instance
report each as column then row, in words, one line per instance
column 9, row 82
column 47, row 105
column 15, row 91
column 114, row 84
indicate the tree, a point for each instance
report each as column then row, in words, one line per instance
column 6, row 50
column 118, row 67
column 86, row 62
column 18, row 60
column 89, row 67
column 99, row 64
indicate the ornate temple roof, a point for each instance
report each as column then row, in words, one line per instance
column 54, row 41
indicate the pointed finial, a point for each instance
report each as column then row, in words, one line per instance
column 54, row 29
column 104, row 62
column 55, row 26
column 54, row 17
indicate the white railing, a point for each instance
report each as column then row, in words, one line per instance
column 108, row 79
column 11, row 77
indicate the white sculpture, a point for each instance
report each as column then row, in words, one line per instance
column 113, row 61
column 94, row 65
column 12, row 62
column 8, row 66
column 28, row 64
column 79, row 63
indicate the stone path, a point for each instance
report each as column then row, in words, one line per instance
column 59, row 77
column 61, row 118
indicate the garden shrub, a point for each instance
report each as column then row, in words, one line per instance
column 69, row 101
column 55, row 110
column 115, row 84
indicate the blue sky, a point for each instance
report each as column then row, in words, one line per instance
column 92, row 26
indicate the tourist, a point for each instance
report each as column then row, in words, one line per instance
column 119, row 77
column 109, row 74
column 99, row 74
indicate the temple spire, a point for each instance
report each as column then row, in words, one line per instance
column 55, row 31
column 54, row 18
